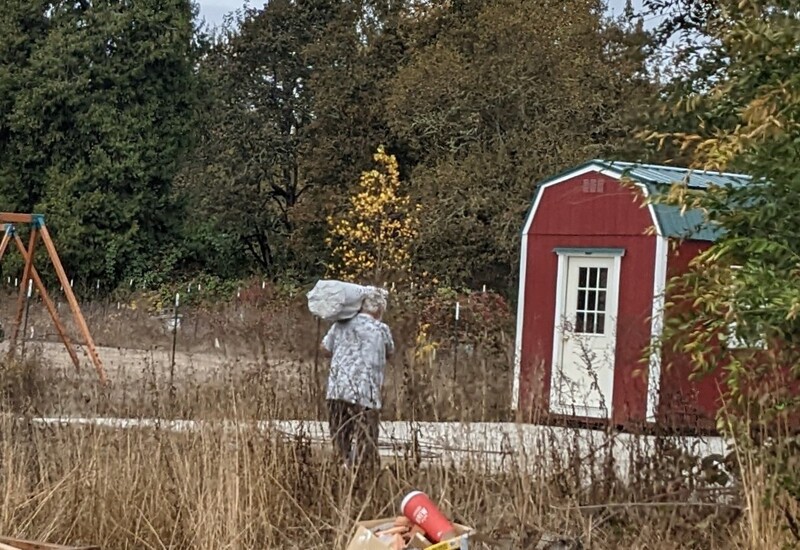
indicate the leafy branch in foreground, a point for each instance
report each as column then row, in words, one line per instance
column 736, row 311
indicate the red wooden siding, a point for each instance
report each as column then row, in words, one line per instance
column 589, row 211
column 685, row 403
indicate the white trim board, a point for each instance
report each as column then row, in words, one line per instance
column 657, row 327
column 523, row 263
column 515, row 389
column 558, row 332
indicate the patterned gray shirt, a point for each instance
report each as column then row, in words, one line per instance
column 358, row 347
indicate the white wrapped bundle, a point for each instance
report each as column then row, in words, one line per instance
column 333, row 300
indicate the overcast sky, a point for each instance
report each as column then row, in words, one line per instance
column 214, row 10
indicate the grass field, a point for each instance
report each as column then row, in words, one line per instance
column 242, row 486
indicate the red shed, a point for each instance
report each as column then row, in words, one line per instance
column 594, row 263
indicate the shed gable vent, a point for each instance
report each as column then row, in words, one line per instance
column 592, row 185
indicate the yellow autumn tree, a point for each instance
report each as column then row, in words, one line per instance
column 372, row 240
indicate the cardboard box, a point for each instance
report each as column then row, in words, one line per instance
column 365, row 539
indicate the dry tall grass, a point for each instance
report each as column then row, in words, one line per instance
column 246, row 487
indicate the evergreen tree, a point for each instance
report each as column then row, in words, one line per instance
column 97, row 116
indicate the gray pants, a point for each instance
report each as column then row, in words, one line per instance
column 349, row 422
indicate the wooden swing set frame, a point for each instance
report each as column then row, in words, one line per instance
column 38, row 229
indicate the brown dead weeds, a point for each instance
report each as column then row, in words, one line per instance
column 250, row 488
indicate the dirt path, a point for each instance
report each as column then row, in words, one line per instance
column 127, row 363
column 142, row 381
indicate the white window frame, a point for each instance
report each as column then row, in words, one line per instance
column 732, row 342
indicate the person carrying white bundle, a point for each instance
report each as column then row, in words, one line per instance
column 359, row 348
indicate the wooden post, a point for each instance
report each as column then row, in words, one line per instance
column 172, row 389
column 73, row 302
column 29, row 295
column 13, row 217
column 51, row 307
column 455, row 340
column 23, row 286
column 315, row 374
column 5, row 241
column 19, row 544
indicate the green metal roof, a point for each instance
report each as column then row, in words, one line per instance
column 692, row 224
column 658, row 178
column 667, row 175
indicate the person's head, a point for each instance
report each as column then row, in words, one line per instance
column 374, row 304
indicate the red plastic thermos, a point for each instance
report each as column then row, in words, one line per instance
column 418, row 508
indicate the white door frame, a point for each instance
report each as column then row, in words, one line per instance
column 564, row 255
